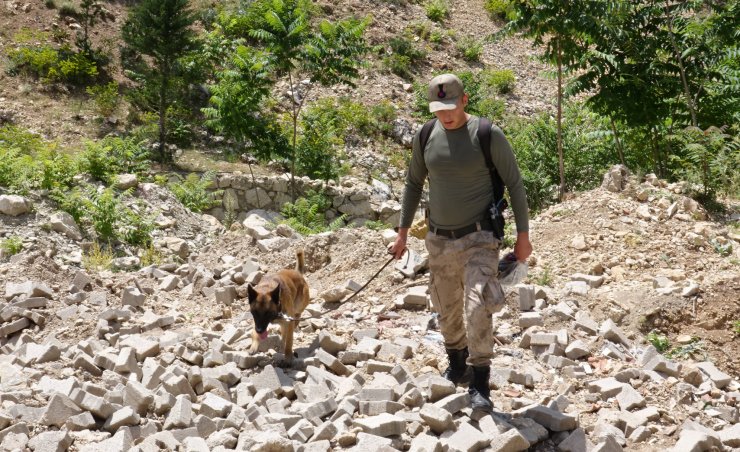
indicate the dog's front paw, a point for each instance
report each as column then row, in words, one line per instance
column 254, row 347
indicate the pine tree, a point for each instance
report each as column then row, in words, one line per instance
column 161, row 30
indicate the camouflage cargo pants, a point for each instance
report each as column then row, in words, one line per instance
column 463, row 280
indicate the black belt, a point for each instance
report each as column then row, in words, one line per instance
column 485, row 225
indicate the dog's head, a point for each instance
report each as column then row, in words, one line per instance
column 265, row 307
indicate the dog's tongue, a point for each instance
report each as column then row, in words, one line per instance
column 263, row 335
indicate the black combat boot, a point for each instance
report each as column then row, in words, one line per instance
column 480, row 393
column 459, row 371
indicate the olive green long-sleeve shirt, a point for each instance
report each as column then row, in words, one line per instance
column 460, row 190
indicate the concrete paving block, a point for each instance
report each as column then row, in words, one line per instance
column 368, row 441
column 439, row 388
column 425, row 443
column 526, row 297
column 629, row 399
column 609, row 444
column 602, row 431
column 372, row 367
column 301, row 431
column 152, row 373
column 593, row 281
column 382, row 425
column 438, row 419
column 372, row 408
column 454, row 402
column 120, row 442
column 325, row 431
column 94, row 404
column 323, row 445
column 331, row 343
column 529, row 319
column 126, row 361
column 122, row 417
column 509, row 441
column 719, row 378
column 130, row 296
column 391, row 352
column 577, row 349
column 551, row 419
column 194, row 444
column 214, row 406
column 318, row 409
column 607, row 387
column 58, row 410
column 50, row 386
column 52, row 441
column 181, row 414
column 545, row 339
column 138, row 397
column 82, row 421
column 585, row 323
column 177, row 385
column 465, row 439
column 531, row 430
column 226, row 295
column 576, row 441
column 331, row 362
column 609, row 330
column 663, row 365
column 376, row 394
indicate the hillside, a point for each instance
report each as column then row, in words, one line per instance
column 150, row 350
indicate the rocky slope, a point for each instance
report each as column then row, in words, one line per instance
column 156, row 359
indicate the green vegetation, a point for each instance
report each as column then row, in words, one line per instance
column 404, row 55
column 736, row 327
column 470, row 48
column 437, row 10
column 193, row 193
column 160, row 30
column 307, row 214
column 105, row 98
column 500, row 9
column 12, row 245
column 502, row 81
column 97, row 258
column 659, row 341
column 53, row 65
column 544, row 277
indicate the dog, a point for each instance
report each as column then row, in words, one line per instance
column 279, row 298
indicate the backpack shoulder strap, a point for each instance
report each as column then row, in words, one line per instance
column 484, row 138
column 426, row 130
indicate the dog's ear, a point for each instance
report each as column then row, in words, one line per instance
column 276, row 295
column 251, row 293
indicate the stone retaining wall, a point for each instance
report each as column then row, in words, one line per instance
column 356, row 199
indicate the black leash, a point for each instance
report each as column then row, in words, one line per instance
column 342, row 302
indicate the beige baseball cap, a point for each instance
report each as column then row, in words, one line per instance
column 444, row 92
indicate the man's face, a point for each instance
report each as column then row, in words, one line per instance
column 455, row 118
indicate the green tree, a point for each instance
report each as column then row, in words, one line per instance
column 162, row 31
column 91, row 12
column 328, row 54
column 563, row 29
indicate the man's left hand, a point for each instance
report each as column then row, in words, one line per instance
column 522, row 248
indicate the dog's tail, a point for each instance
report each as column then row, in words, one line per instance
column 300, row 261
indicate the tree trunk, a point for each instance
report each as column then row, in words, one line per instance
column 681, row 69
column 164, row 155
column 620, row 151
column 295, row 135
column 560, row 122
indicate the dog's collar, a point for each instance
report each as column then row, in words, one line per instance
column 283, row 316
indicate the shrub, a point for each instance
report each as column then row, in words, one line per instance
column 659, row 341
column 502, row 81
column 97, row 258
column 502, row 9
column 54, row 65
column 105, row 98
column 12, row 245
column 470, row 48
column 315, row 153
column 437, row 10
column 383, row 114
column 193, row 192
column 307, row 214
column 103, row 209
column 114, row 155
column 137, row 228
column 405, row 53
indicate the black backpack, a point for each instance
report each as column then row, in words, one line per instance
column 484, row 137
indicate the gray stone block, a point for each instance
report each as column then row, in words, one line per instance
column 438, row 419
column 382, row 425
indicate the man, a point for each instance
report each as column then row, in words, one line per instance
column 463, row 250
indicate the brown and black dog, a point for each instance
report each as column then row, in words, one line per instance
column 279, row 298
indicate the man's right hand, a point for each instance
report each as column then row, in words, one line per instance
column 399, row 246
